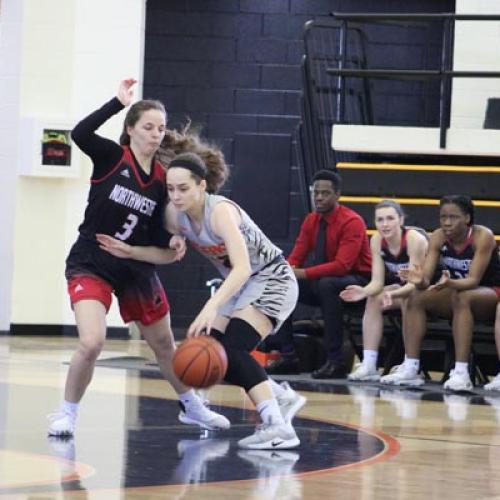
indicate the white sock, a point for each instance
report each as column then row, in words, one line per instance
column 189, row 398
column 412, row 363
column 370, row 358
column 70, row 408
column 461, row 367
column 277, row 389
column 269, row 412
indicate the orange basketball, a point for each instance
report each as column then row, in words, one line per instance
column 200, row 362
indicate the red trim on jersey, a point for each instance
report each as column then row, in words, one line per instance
column 127, row 156
column 158, row 172
column 468, row 242
column 402, row 245
column 111, row 172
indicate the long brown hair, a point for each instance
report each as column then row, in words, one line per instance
column 188, row 140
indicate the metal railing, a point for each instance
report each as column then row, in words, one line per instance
column 320, row 96
column 445, row 74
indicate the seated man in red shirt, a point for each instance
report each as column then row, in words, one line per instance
column 335, row 236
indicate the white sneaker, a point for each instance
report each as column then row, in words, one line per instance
column 494, row 385
column 204, row 417
column 363, row 373
column 401, row 375
column 61, row 423
column 271, row 437
column 458, row 382
column 290, row 402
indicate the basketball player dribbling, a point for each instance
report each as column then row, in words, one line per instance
column 258, row 293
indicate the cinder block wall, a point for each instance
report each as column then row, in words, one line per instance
column 234, row 67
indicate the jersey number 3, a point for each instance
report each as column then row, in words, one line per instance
column 127, row 227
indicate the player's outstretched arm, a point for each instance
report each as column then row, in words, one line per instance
column 151, row 254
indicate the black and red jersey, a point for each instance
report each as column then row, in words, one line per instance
column 124, row 205
column 394, row 263
column 124, row 201
column 458, row 262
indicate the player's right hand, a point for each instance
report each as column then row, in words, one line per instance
column 114, row 246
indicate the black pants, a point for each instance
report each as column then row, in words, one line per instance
column 324, row 293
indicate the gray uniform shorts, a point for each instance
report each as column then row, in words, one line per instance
column 273, row 291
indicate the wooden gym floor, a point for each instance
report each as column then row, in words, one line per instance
column 358, row 442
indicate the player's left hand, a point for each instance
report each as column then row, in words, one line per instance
column 114, row 246
column 203, row 322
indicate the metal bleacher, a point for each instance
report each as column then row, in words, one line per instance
column 337, row 76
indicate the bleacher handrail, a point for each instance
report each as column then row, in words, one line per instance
column 445, row 73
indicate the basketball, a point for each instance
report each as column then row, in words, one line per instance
column 200, row 362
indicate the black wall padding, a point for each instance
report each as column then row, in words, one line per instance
column 492, row 119
column 261, row 180
column 428, row 184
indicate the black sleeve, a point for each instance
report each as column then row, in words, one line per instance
column 103, row 152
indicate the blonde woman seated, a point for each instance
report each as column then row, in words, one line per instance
column 393, row 247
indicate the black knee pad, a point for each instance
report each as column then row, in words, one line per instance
column 216, row 334
column 239, row 339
